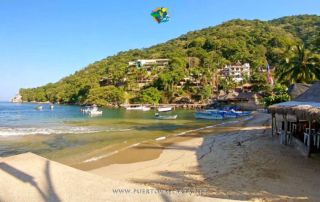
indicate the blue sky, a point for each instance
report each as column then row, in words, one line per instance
column 42, row 41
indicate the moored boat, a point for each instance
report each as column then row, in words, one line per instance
column 166, row 117
column 164, row 109
column 39, row 107
column 139, row 108
column 209, row 115
column 92, row 111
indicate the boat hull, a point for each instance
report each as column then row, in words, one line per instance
column 164, row 109
column 167, row 117
column 208, row 116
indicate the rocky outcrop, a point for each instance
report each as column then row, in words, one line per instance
column 17, row 99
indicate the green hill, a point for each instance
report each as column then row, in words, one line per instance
column 195, row 55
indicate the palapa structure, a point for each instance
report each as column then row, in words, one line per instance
column 297, row 89
column 300, row 118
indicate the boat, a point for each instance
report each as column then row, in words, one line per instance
column 164, row 109
column 39, row 107
column 94, row 111
column 209, row 115
column 140, row 108
column 241, row 113
column 165, row 117
column 51, row 107
column 86, row 109
column 91, row 110
column 229, row 114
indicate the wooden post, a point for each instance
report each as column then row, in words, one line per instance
column 275, row 122
column 309, row 140
column 272, row 124
column 285, row 129
column 297, row 126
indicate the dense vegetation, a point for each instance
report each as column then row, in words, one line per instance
column 196, row 55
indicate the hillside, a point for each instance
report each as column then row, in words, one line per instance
column 305, row 27
column 196, row 55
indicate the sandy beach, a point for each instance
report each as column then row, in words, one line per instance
column 243, row 164
column 237, row 160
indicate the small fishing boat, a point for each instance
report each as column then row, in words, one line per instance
column 164, row 109
column 39, row 107
column 139, row 108
column 95, row 112
column 228, row 114
column 209, row 115
column 165, row 117
column 91, row 110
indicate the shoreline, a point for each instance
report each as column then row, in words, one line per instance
column 185, row 106
column 152, row 149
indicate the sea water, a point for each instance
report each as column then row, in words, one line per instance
column 66, row 131
column 25, row 119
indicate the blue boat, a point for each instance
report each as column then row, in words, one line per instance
column 229, row 114
column 214, row 114
column 209, row 115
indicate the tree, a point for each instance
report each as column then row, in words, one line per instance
column 300, row 67
column 104, row 96
column 149, row 96
column 279, row 94
column 260, row 83
column 226, row 84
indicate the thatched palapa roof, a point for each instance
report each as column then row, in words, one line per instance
column 304, row 106
column 297, row 89
column 311, row 95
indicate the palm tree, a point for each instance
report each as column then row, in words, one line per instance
column 301, row 67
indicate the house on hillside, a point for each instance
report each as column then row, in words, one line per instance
column 149, row 63
column 236, row 71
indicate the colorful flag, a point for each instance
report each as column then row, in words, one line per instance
column 269, row 76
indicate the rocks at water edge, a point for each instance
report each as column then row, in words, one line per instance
column 17, row 99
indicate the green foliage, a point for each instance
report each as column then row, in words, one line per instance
column 301, row 66
column 197, row 56
column 260, row 83
column 279, row 94
column 226, row 84
column 149, row 96
column 104, row 96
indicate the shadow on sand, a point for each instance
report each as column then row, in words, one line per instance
column 239, row 179
column 47, row 195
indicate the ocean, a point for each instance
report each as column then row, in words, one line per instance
column 25, row 119
column 66, row 132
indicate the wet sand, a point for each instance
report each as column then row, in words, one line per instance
column 241, row 162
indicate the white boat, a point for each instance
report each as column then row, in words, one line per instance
column 51, row 107
column 166, row 117
column 95, row 112
column 92, row 111
column 140, row 108
column 39, row 107
column 164, row 109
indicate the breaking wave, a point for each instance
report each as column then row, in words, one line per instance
column 7, row 131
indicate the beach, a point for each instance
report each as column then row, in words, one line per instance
column 235, row 160
column 243, row 164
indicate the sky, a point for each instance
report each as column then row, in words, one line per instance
column 42, row 41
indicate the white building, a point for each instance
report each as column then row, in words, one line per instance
column 149, row 63
column 237, row 71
